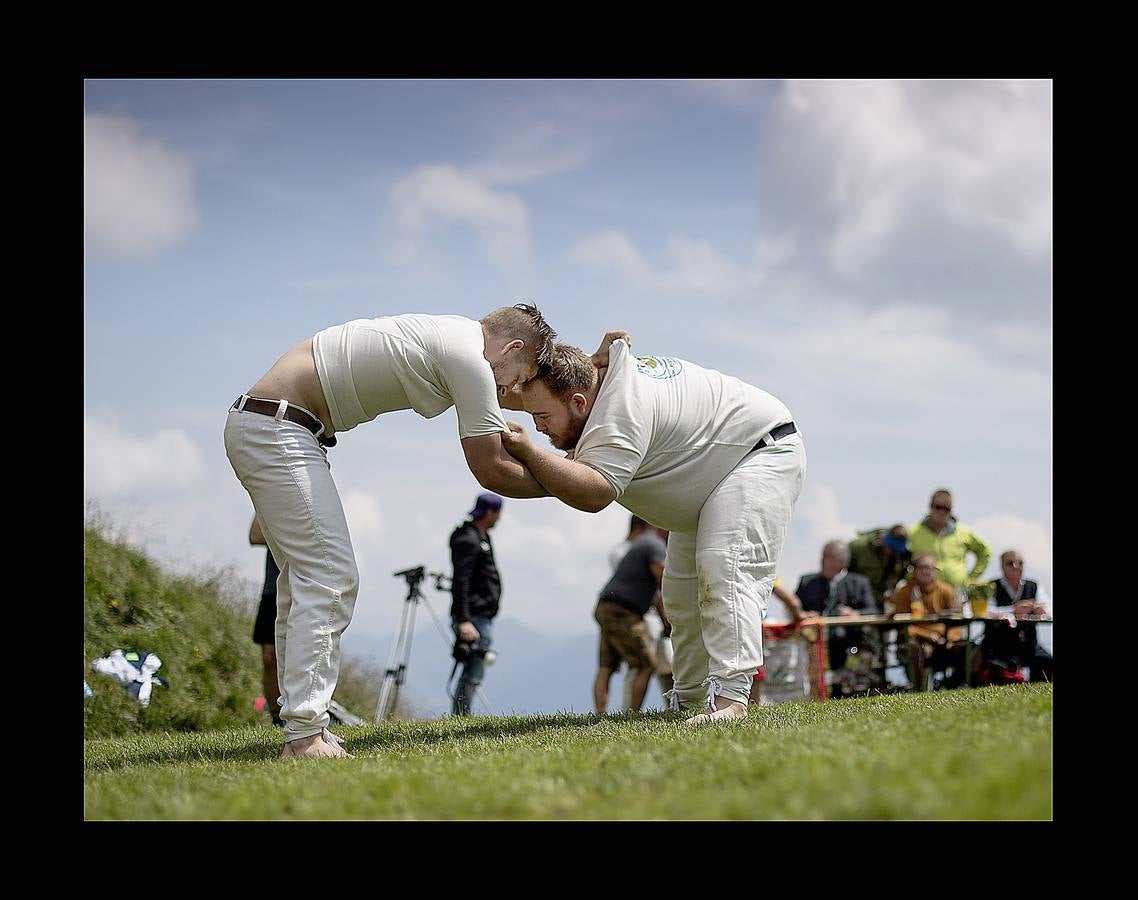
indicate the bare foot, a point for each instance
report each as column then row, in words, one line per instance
column 315, row 745
column 725, row 711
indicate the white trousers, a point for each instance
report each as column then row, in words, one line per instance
column 286, row 472
column 718, row 580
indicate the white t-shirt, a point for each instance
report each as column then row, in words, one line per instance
column 425, row 363
column 664, row 432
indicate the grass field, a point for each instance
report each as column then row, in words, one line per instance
column 969, row 754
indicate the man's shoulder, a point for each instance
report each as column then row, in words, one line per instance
column 466, row 532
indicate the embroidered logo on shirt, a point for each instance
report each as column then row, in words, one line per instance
column 658, row 366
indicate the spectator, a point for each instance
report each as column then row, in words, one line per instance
column 882, row 556
column 628, row 595
column 475, row 590
column 932, row 647
column 835, row 591
column 949, row 542
column 1011, row 646
column 264, row 628
column 659, row 636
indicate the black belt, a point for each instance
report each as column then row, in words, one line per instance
column 292, row 413
column 775, row 434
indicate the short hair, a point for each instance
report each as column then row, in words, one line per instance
column 920, row 556
column 1007, row 553
column 570, row 371
column 944, row 491
column 839, row 549
column 900, row 532
column 524, row 321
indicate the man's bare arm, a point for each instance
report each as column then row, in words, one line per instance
column 569, row 481
column 498, row 471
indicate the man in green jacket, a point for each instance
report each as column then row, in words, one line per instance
column 882, row 556
column 948, row 541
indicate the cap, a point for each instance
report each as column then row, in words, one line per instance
column 485, row 502
column 894, row 543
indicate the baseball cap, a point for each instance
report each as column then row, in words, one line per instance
column 483, row 503
column 897, row 545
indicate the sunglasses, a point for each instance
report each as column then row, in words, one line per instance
column 1014, row 564
column 942, row 507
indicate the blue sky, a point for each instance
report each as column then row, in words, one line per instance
column 877, row 254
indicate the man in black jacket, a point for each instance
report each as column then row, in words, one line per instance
column 835, row 591
column 475, row 588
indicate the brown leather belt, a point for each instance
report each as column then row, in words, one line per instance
column 292, row 413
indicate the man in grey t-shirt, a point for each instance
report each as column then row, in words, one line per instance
column 633, row 589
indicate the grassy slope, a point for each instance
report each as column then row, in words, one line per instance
column 979, row 754
column 209, row 660
column 208, row 656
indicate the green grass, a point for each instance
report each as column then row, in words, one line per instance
column 970, row 754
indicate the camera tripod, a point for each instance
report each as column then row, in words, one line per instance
column 394, row 675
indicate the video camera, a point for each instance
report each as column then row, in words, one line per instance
column 464, row 650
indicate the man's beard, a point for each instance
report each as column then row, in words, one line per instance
column 568, row 441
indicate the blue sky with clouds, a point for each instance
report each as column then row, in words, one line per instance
column 877, row 254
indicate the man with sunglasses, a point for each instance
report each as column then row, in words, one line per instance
column 1012, row 642
column 940, row 534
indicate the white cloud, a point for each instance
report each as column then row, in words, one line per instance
column 818, row 516
column 739, row 95
column 137, row 192
column 440, row 194
column 365, row 518
column 885, row 372
column 540, row 137
column 890, row 185
column 687, row 264
column 570, row 549
column 609, row 251
column 115, row 462
column 696, row 265
column 978, row 153
column 1006, row 531
column 537, row 150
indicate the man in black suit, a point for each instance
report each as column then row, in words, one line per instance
column 835, row 591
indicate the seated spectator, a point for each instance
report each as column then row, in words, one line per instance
column 835, row 591
column 882, row 556
column 1006, row 646
column 932, row 647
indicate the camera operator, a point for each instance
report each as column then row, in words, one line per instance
column 475, row 587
